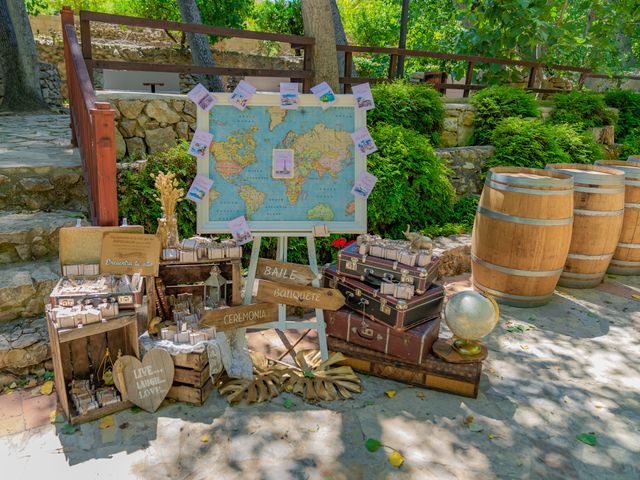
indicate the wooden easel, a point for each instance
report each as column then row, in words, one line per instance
column 281, row 255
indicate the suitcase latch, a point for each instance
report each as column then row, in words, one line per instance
column 384, row 308
column 405, row 277
column 351, row 264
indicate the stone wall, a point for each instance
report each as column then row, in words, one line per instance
column 458, row 124
column 466, row 165
column 50, row 83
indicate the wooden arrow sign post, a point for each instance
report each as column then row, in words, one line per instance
column 231, row 318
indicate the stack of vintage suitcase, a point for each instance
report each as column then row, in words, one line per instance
column 392, row 316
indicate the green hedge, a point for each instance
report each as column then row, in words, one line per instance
column 413, row 186
column 582, row 108
column 627, row 102
column 415, row 106
column 496, row 103
column 530, row 143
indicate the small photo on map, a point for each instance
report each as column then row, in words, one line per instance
column 289, row 96
column 324, row 93
column 199, row 188
column 242, row 94
column 363, row 141
column 364, row 97
column 202, row 97
column 200, row 144
column 240, row 230
column 282, row 163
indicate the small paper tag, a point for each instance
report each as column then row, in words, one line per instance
column 242, row 94
column 282, row 163
column 364, row 185
column 199, row 188
column 324, row 93
column 240, row 230
column 200, row 142
column 202, row 97
column 289, row 96
column 364, row 97
column 363, row 141
column 320, row 230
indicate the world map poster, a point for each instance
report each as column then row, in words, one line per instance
column 240, row 163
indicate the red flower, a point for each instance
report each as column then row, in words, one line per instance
column 339, row 243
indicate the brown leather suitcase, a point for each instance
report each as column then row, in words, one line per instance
column 372, row 270
column 435, row 374
column 410, row 345
column 367, row 300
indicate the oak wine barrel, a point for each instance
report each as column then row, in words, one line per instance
column 521, row 234
column 598, row 211
column 626, row 258
column 633, row 158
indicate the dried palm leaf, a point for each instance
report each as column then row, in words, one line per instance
column 322, row 380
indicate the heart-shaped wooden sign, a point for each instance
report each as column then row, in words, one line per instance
column 145, row 383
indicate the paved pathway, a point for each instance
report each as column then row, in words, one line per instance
column 575, row 372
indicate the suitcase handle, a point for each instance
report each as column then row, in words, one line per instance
column 366, row 332
column 376, row 280
column 351, row 298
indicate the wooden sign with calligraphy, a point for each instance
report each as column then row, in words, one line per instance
column 285, row 272
column 130, row 253
column 145, row 383
column 240, row 317
column 296, row 295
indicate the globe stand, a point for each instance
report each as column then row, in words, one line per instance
column 445, row 349
column 468, row 348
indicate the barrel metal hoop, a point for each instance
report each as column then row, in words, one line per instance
column 633, row 183
column 508, row 296
column 598, row 213
column 525, row 220
column 583, row 176
column 632, row 205
column 628, row 245
column 514, row 271
column 532, row 182
column 582, row 275
column 631, row 171
column 530, row 191
column 599, row 190
column 575, row 256
column 627, row 264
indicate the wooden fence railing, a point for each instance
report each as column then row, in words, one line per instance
column 472, row 61
column 303, row 76
column 93, row 130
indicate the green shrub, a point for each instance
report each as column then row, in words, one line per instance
column 413, row 186
column 460, row 219
column 628, row 104
column 531, row 143
column 414, row 106
column 495, row 103
column 583, row 108
column 136, row 190
column 630, row 144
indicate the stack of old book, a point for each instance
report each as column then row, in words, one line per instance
column 392, row 316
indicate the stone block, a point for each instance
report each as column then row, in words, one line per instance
column 161, row 111
column 136, row 147
column 177, row 105
column 128, row 127
column 448, row 139
column 450, row 123
column 467, row 119
column 36, row 184
column 62, row 179
column 160, row 139
column 4, row 179
column 130, row 108
column 190, row 108
column 182, row 129
column 121, row 146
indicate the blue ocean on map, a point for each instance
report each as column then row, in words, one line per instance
column 325, row 197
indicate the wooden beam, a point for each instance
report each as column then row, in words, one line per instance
column 468, row 80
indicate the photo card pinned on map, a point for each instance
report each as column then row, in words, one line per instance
column 202, row 97
column 364, row 97
column 289, row 96
column 242, row 94
column 283, row 170
column 325, row 94
column 240, row 230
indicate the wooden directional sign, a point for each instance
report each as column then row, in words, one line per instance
column 299, row 296
column 240, row 317
column 284, row 272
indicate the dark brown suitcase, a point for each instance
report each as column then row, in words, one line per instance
column 435, row 374
column 401, row 314
column 372, row 270
column 410, row 345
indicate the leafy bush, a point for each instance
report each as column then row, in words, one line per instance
column 460, row 220
column 279, row 16
column 495, row 103
column 413, row 186
column 631, row 144
column 136, row 190
column 628, row 104
column 583, row 108
column 414, row 106
column 531, row 143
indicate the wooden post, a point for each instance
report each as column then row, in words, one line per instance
column 468, row 79
column 105, row 196
column 85, row 37
column 66, row 17
column 307, row 82
column 348, row 63
column 393, row 63
column 318, row 23
column 532, row 77
column 404, row 19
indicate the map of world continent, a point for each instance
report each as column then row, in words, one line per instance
column 241, row 164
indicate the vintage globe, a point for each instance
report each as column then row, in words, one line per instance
column 470, row 316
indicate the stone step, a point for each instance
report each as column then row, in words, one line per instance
column 39, row 169
column 25, row 288
column 26, row 236
column 24, row 349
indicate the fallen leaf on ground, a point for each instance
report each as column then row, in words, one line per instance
column 592, row 315
column 635, row 297
column 420, row 394
column 396, row 459
column 56, row 417
column 287, row 403
column 124, row 425
column 490, row 436
column 372, row 444
column 390, row 393
column 476, row 427
column 204, row 438
column 524, row 347
column 107, row 422
column 47, row 387
column 31, row 383
column 588, row 438
column 68, row 429
column 136, row 409
column 48, row 375
column 468, row 420
column 368, row 403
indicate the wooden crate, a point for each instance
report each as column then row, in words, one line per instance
column 191, row 381
column 77, row 352
column 433, row 373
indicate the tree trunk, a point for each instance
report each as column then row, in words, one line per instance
column 19, row 60
column 199, row 44
column 318, row 23
column 341, row 39
column 404, row 20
